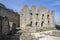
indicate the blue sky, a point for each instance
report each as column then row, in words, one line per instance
column 17, row 5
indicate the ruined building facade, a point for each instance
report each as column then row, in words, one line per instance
column 13, row 17
column 41, row 17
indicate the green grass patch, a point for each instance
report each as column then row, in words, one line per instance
column 29, row 25
column 47, row 28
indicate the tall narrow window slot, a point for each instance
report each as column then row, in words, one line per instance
column 36, row 23
column 48, row 22
column 42, row 23
column 31, row 23
column 42, row 16
column 47, row 16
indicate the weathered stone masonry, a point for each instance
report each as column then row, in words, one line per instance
column 41, row 17
column 33, row 20
column 13, row 17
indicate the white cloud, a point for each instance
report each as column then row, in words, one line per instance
column 56, row 3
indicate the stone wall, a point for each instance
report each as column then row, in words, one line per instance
column 33, row 20
column 38, row 18
column 13, row 16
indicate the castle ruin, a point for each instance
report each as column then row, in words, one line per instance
column 41, row 17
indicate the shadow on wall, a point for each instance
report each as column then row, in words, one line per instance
column 13, row 35
column 58, row 27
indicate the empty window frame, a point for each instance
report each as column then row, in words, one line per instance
column 42, row 23
column 31, row 23
column 37, row 14
column 47, row 16
column 31, row 14
column 42, row 16
column 48, row 22
column 36, row 23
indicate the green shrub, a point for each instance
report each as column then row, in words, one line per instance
column 29, row 25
